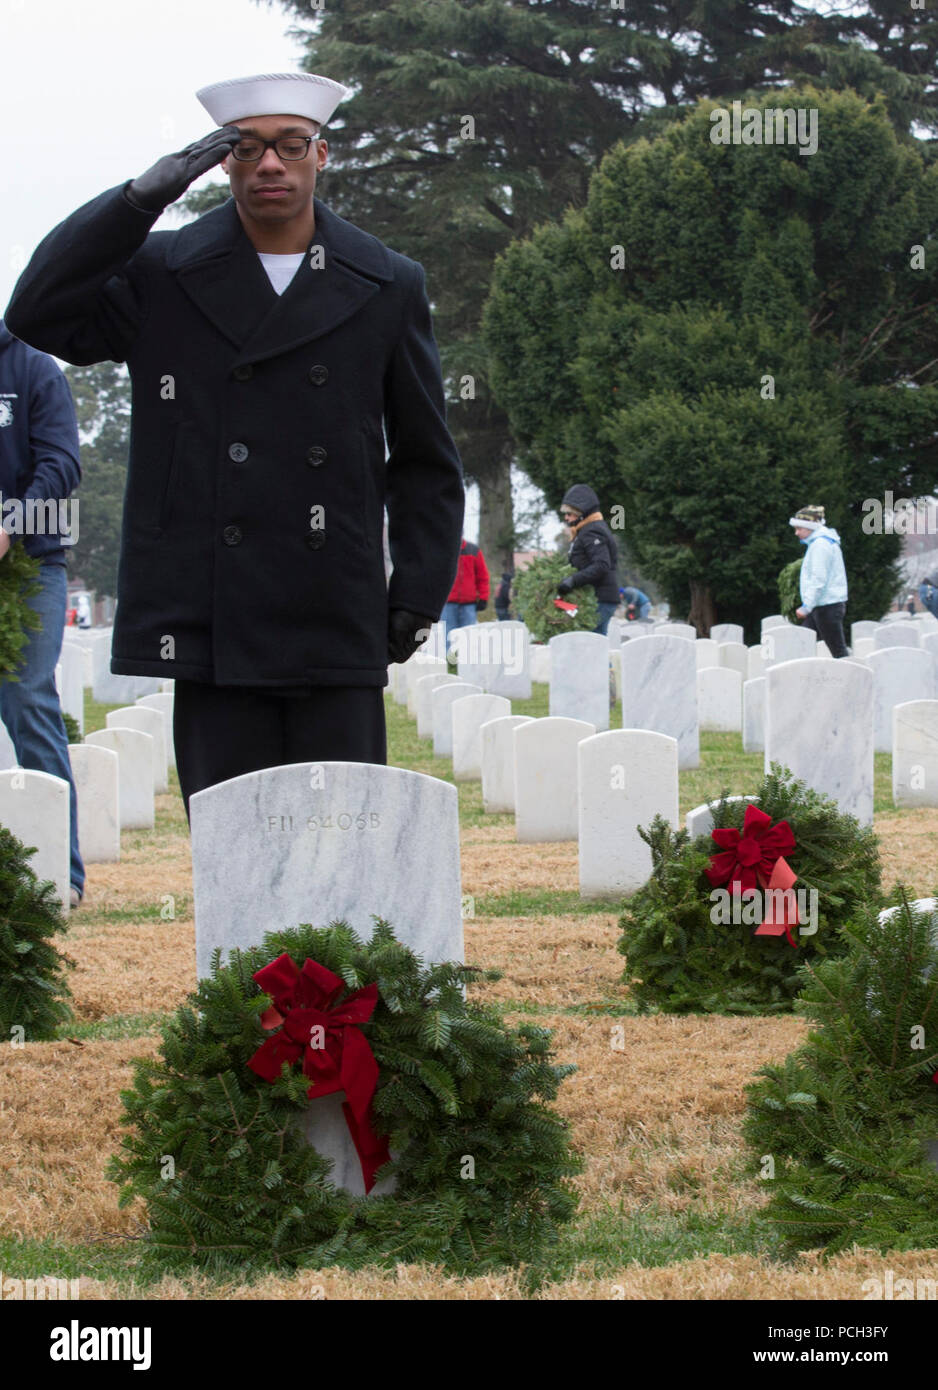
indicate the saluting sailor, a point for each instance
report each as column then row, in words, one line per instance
column 271, row 346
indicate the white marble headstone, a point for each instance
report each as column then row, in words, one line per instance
column 579, row 678
column 134, row 751
column 34, row 806
column 148, row 721
column 754, row 715
column 727, row 632
column 788, row 643
column 498, row 762
column 699, row 820
column 915, row 753
column 423, row 690
column 626, row 778
column 676, row 630
column 441, row 707
column 96, row 773
column 897, row 635
column 900, row 674
column 546, row 778
column 819, row 723
column 320, row 843
column 540, row 664
column 864, row 628
column 736, row 656
column 720, row 699
column 755, row 663
column 164, row 702
column 659, row 691
column 772, row 620
column 469, row 714
column 707, row 652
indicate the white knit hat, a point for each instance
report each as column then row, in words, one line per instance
column 273, row 94
column 811, row 518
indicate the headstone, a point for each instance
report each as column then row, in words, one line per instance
column 699, row 820
column 897, row 635
column 755, row 663
column 735, row 656
column 614, row 632
column 167, row 687
column 112, row 689
column 7, row 751
column 579, row 678
column 152, row 722
column 540, row 664
column 900, row 674
column 546, row 778
column 676, row 630
column 788, row 643
column 469, row 714
column 441, row 702
column 863, row 646
column 424, row 689
column 659, row 691
column 496, row 657
column 727, row 632
column 772, row 620
column 498, row 762
column 707, row 652
column 96, row 774
column 277, row 848
column 615, row 665
column 720, row 699
column 626, row 778
column 163, row 702
column 861, row 629
column 398, row 682
column 70, row 683
column 915, row 753
column 418, row 666
column 134, row 751
column 34, row 806
column 832, row 749
column 754, row 715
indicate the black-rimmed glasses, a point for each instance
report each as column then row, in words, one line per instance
column 250, row 149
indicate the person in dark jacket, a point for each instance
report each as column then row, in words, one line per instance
column 39, row 468
column 503, row 596
column 594, row 553
column 470, row 592
column 928, row 593
column 272, row 345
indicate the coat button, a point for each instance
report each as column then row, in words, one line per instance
column 238, row 452
column 243, row 373
column 316, row 540
column 318, row 374
column 315, row 455
column 232, row 535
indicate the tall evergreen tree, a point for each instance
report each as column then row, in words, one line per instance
column 102, row 403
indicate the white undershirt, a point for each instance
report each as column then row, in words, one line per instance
column 280, row 269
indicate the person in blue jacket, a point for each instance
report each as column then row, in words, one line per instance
column 823, row 579
column 635, row 600
column 39, row 464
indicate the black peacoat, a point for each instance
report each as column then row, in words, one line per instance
column 251, row 551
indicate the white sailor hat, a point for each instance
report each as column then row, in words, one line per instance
column 273, row 94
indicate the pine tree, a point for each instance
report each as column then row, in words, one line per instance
column 848, row 1119
column 33, row 991
column 19, row 575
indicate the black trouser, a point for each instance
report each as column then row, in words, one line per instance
column 828, row 622
column 222, row 731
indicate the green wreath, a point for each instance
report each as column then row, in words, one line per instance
column 681, row 960
column 535, row 589
column 218, row 1156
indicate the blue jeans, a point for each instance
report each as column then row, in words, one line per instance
column 30, row 707
column 606, row 611
column 458, row 615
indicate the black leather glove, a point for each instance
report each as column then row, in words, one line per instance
column 170, row 176
column 565, row 585
column 481, row 603
column 406, row 632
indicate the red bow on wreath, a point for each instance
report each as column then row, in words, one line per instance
column 335, row 1052
column 752, row 859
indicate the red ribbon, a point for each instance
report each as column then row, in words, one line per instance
column 753, row 859
column 305, row 1000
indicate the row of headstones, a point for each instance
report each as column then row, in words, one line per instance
column 559, row 777
column 117, row 773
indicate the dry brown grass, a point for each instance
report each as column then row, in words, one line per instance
column 557, row 961
column 713, row 1278
column 126, row 969
column 499, row 865
column 658, row 1121
column 909, row 849
column 59, row 1122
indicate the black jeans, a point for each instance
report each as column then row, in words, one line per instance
column 828, row 622
column 222, row 731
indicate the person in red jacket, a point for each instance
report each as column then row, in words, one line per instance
column 470, row 593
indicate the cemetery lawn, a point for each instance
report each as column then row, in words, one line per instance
column 666, row 1210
